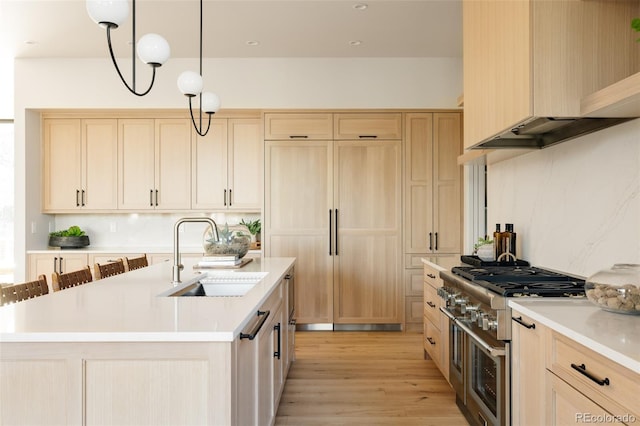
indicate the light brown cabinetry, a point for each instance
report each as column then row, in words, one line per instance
column 227, row 166
column 540, row 58
column 340, row 216
column 528, row 342
column 432, row 196
column 155, row 164
column 382, row 125
column 80, row 164
column 288, row 126
column 47, row 264
column 436, row 332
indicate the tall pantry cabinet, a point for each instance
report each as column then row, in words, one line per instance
column 340, row 213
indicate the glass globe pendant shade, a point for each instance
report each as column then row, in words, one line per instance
column 108, row 12
column 210, row 103
column 153, row 49
column 190, row 83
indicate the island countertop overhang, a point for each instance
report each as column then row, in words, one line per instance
column 128, row 308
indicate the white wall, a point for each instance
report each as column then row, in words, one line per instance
column 241, row 83
column 575, row 206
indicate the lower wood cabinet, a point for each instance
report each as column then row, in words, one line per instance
column 47, row 264
column 436, row 331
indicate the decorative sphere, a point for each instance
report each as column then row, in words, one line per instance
column 210, row 102
column 190, row 83
column 153, row 49
column 108, row 11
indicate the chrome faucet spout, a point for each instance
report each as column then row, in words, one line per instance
column 177, row 264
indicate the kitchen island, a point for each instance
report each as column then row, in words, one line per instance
column 115, row 351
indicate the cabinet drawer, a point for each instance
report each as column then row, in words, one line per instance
column 431, row 304
column 305, row 126
column 618, row 387
column 413, row 282
column 433, row 342
column 432, row 277
column 369, row 125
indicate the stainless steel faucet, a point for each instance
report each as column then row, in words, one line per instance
column 177, row 265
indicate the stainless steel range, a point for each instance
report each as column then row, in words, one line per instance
column 476, row 303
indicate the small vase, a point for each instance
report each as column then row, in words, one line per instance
column 486, row 252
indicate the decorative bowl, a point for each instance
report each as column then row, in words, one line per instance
column 233, row 241
column 616, row 289
column 69, row 242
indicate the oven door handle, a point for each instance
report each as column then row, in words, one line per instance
column 493, row 351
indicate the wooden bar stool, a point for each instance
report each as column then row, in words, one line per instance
column 108, row 269
column 71, row 279
column 29, row 290
column 136, row 262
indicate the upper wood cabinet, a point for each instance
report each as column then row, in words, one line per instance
column 155, row 164
column 283, row 126
column 539, row 58
column 432, row 183
column 80, row 164
column 227, row 166
column 367, row 126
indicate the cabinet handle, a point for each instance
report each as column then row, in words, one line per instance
column 55, row 267
column 77, row 198
column 436, row 241
column 298, row 136
column 151, row 197
column 156, row 198
column 430, row 240
column 330, row 232
column 276, row 354
column 582, row 369
column 367, row 136
column 430, row 303
column 256, row 329
column 430, row 340
column 83, row 198
column 336, row 232
column 433, row 277
column 225, row 197
column 519, row 321
column 60, row 267
column 230, row 197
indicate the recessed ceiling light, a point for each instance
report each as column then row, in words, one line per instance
column 253, row 43
column 360, row 6
column 355, row 43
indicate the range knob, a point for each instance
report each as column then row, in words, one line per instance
column 464, row 308
column 489, row 323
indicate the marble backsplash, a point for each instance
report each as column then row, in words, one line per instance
column 575, row 206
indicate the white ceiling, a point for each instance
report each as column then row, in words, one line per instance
column 292, row 28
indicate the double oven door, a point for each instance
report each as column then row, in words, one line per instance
column 478, row 372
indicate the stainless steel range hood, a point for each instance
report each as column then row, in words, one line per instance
column 542, row 132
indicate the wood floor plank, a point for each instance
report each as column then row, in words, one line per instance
column 365, row 378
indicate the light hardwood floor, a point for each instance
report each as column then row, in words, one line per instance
column 365, row 378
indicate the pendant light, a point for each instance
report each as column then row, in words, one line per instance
column 152, row 49
column 190, row 84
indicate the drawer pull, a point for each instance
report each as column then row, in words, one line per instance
column 519, row 321
column 582, row 369
column 431, row 304
column 430, row 340
column 433, row 277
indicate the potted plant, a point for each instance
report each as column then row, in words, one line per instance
column 254, row 228
column 74, row 237
column 484, row 249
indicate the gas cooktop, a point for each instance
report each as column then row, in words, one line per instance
column 513, row 281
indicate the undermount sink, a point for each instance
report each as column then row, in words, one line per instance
column 217, row 284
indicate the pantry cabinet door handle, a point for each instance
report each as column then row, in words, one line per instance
column 82, row 198
column 582, row 369
column 336, row 232
column 436, row 241
column 230, row 197
column 430, row 240
column 77, row 198
column 151, row 197
column 330, row 232
column 156, row 198
column 225, row 198
column 519, row 321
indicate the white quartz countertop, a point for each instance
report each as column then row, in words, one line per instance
column 123, row 250
column 615, row 336
column 127, row 307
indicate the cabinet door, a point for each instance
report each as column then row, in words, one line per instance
column 100, row 164
column 527, row 371
column 173, row 164
column 360, row 126
column 264, row 339
column 447, row 193
column 367, row 198
column 245, row 161
column 246, row 376
column 136, row 164
column 298, row 182
column 209, row 159
column 47, row 264
column 278, row 331
column 62, row 175
column 418, row 181
column 305, row 126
